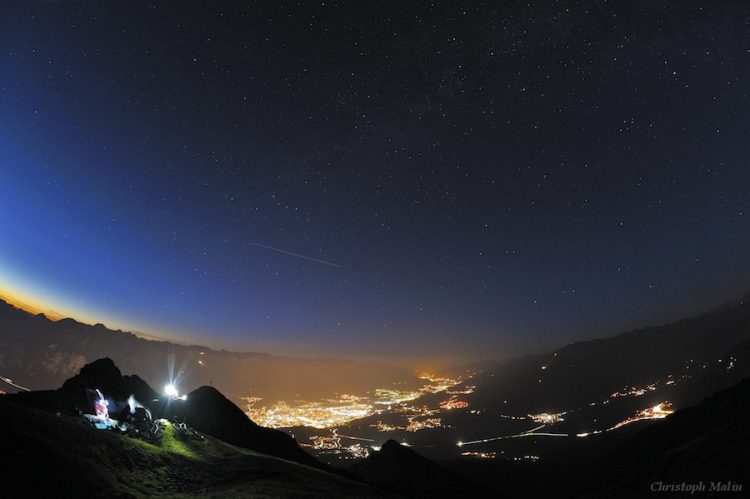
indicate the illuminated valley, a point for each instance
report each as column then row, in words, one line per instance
column 400, row 406
column 435, row 416
column 323, row 414
column 338, row 411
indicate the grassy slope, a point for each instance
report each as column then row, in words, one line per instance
column 42, row 455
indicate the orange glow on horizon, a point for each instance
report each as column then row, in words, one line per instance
column 28, row 304
column 55, row 306
column 31, row 305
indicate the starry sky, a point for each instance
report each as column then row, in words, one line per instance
column 375, row 178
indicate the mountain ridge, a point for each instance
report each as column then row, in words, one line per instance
column 40, row 354
column 544, row 382
column 205, row 408
column 46, row 455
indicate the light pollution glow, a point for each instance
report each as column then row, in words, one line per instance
column 333, row 412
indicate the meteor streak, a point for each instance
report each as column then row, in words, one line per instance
column 279, row 250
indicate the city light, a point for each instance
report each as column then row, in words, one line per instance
column 416, row 425
column 332, row 412
column 480, row 455
column 323, row 414
column 453, row 403
column 547, row 418
column 383, row 427
column 634, row 392
column 659, row 411
column 331, row 444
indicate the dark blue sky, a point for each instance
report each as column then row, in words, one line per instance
column 487, row 178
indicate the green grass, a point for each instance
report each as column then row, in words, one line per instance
column 171, row 441
column 43, row 455
column 203, row 450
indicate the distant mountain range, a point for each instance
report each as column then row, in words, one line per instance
column 39, row 353
column 706, row 443
column 683, row 352
column 700, row 364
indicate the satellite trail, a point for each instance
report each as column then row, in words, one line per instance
column 279, row 250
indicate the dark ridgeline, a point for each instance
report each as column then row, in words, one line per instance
column 580, row 373
column 205, row 409
column 39, row 353
column 75, row 394
column 704, row 442
column 709, row 442
column 400, row 469
column 46, row 455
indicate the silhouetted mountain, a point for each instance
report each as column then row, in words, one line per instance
column 706, row 443
column 40, row 354
column 44, row 455
column 206, row 409
column 590, row 371
column 75, row 394
column 687, row 361
column 400, row 469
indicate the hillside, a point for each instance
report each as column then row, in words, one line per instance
column 580, row 373
column 221, row 452
column 400, row 469
column 44, row 454
column 205, row 409
column 705, row 443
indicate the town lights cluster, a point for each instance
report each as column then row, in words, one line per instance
column 547, row 418
column 480, row 455
column 659, row 411
column 453, row 403
column 323, row 414
column 331, row 444
column 333, row 412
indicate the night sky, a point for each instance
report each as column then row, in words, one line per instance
column 389, row 179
